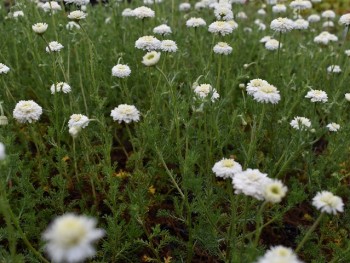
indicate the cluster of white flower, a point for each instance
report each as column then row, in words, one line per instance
column 125, row 113
column 121, row 71
column 204, row 90
column 272, row 44
column 222, row 48
column 282, row 25
column 263, row 92
column 168, row 46
column 222, row 27
column 325, row 37
column 333, row 69
column 54, row 46
column 301, row 4
column 328, row 202
column 279, row 8
column 300, row 123
column 142, row 12
column 148, row 43
column 4, row 69
column 60, row 87
column 317, row 96
column 195, row 22
column 151, row 58
column 162, row 30
column 27, row 111
column 226, row 168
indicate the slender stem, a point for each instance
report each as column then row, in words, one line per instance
column 259, row 223
column 308, row 233
column 219, row 73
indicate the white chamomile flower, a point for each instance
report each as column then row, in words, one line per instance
column 151, row 58
column 121, row 71
column 279, row 254
column 69, row 238
column 282, row 25
column 274, row 191
column 125, row 113
column 148, row 43
column 195, row 22
column 272, row 44
column 328, row 14
column 127, row 12
column 184, row 7
column 317, row 96
column 226, row 168
column 328, row 202
column 54, row 46
column 333, row 69
column 77, row 15
column 279, row 8
column 39, row 28
column 345, row 20
column 220, row 27
column 51, row 6
column 347, row 96
column 4, row 69
column 300, row 123
column 79, row 120
column 2, row 151
column 222, row 48
column 71, row 25
column 162, row 30
column 333, row 127
column 143, row 12
column 27, row 111
column 60, row 87
column 203, row 90
column 267, row 94
column 168, row 46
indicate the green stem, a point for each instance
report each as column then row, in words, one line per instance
column 308, row 233
column 259, row 223
column 219, row 73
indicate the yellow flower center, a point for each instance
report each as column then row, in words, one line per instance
column 228, row 163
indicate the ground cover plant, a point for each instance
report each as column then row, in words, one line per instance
column 172, row 131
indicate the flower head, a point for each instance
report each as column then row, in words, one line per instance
column 279, row 254
column 301, row 24
column 151, row 58
column 226, row 168
column 267, row 94
column 195, row 22
column 127, row 12
column 250, row 182
column 4, row 69
column 301, row 4
column 69, row 238
column 17, row 14
column 77, row 15
column 39, row 28
column 333, row 69
column 279, row 8
column 220, row 27
column 313, row 18
column 27, row 111
column 121, row 71
column 126, row 113
column 272, row 44
column 51, row 6
column 325, row 37
column 333, row 127
column 328, row 14
column 345, row 20
column 60, row 87
column 184, row 6
column 282, row 25
column 78, row 120
column 143, row 12
column 317, row 96
column 168, row 46
column 328, row 202
column 71, row 25
column 274, row 191
column 203, row 90
column 222, row 48
column 300, row 123
column 54, row 46
column 162, row 30
column 148, row 43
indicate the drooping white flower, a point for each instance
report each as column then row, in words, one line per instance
column 265, row 39
column 317, row 96
column 274, row 191
column 203, row 90
column 69, row 238
column 54, row 46
column 226, row 168
column 121, row 71
column 125, row 113
column 195, row 22
column 27, row 111
column 2, row 151
column 17, row 14
column 282, row 25
column 328, row 202
column 314, row 18
column 279, row 254
column 222, row 48
column 148, row 43
column 39, row 28
column 151, row 58
column 168, row 46
column 78, row 120
column 300, row 123
column 143, row 12
column 333, row 127
column 162, row 30
column 250, row 182
column 60, row 87
column 77, row 15
column 4, row 69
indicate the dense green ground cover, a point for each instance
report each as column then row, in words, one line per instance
column 150, row 183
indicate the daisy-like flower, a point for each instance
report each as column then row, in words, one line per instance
column 222, row 48
column 195, row 22
column 317, row 96
column 328, row 14
column 2, row 151
column 60, row 87
column 151, row 58
column 274, row 191
column 314, row 18
column 254, row 85
column 279, row 8
column 184, row 7
column 250, row 182
column 78, row 120
column 71, row 25
column 39, row 28
column 27, row 111
column 347, row 52
column 168, row 46
column 54, row 46
column 279, row 254
column 17, row 14
column 223, row 13
column 78, row 2
column 333, row 69
column 300, row 4
column 261, row 12
column 203, row 90
column 126, row 113
column 272, row 44
column 328, row 202
column 69, row 238
column 77, row 15
column 143, row 12
column 333, row 127
column 127, row 12
column 267, row 94
column 148, row 43
column 345, row 20
column 121, row 71
column 242, row 15
column 265, row 39
column 226, row 168
column 51, row 6
column 282, row 25
column 162, row 30
column 301, row 24
column 325, row 37
column 4, row 69
column 220, row 27
column 300, row 123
